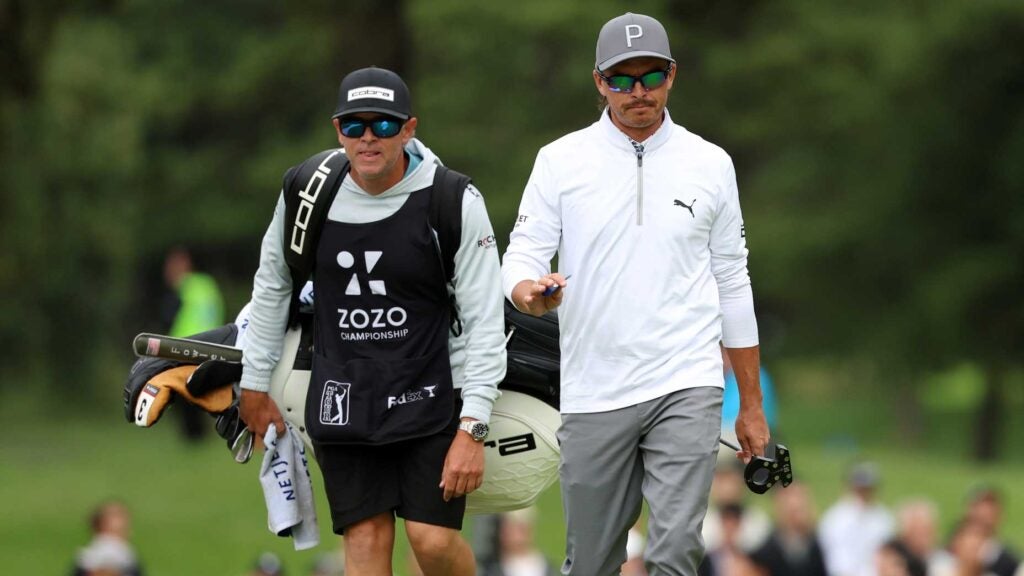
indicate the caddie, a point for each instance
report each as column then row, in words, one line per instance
column 408, row 329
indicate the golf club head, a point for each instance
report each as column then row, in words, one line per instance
column 233, row 430
column 763, row 472
column 241, row 448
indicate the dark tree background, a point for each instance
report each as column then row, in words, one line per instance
column 879, row 147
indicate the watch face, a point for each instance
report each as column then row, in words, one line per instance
column 478, row 430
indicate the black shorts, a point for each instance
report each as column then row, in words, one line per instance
column 364, row 481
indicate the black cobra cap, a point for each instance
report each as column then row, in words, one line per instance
column 373, row 90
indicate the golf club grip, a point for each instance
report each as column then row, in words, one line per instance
column 183, row 349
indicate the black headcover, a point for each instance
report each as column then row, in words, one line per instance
column 533, row 355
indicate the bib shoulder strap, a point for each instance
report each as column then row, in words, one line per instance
column 446, row 219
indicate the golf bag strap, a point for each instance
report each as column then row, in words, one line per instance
column 309, row 189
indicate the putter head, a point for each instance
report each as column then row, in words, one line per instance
column 763, row 472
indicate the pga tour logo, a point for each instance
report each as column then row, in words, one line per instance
column 334, row 403
column 371, row 92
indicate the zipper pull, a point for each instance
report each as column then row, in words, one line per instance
column 639, row 152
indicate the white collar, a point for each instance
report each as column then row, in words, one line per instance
column 621, row 140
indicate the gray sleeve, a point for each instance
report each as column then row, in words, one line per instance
column 268, row 312
column 481, row 348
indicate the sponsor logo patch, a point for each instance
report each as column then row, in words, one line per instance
column 411, row 396
column 371, row 92
column 144, row 403
column 334, row 403
column 487, row 242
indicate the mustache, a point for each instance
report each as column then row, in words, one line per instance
column 640, row 102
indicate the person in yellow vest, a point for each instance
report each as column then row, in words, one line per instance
column 196, row 305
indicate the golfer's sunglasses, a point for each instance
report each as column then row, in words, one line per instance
column 382, row 127
column 624, row 82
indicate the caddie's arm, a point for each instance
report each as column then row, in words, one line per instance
column 477, row 280
column 268, row 318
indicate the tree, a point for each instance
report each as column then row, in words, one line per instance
column 881, row 145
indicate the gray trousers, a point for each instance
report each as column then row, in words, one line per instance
column 662, row 451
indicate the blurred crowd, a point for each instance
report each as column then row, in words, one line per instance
column 855, row 536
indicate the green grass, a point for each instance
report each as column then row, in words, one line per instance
column 197, row 512
column 194, row 510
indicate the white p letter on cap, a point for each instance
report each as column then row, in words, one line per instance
column 636, row 32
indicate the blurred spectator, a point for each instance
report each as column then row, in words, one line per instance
column 729, row 489
column 727, row 557
column 918, row 529
column 985, row 512
column 486, row 544
column 731, row 398
column 895, row 559
column 636, row 542
column 194, row 304
column 967, row 545
column 793, row 548
column 329, row 563
column 268, row 564
column 109, row 553
column 518, row 553
column 856, row 526
column 504, row 545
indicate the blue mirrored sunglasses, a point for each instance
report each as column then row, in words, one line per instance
column 625, row 82
column 382, row 127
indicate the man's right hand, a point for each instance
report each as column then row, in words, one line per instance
column 528, row 295
column 258, row 411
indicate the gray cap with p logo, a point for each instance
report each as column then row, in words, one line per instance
column 631, row 36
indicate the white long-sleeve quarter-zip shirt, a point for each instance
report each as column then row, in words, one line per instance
column 653, row 237
column 477, row 356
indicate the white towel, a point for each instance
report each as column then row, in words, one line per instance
column 288, row 489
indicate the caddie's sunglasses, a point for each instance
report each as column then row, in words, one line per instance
column 624, row 82
column 382, row 127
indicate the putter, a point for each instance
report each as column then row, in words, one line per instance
column 763, row 472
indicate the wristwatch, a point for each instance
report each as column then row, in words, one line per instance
column 476, row 429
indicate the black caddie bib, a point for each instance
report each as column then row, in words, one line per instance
column 381, row 371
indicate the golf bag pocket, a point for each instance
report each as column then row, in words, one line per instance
column 368, row 401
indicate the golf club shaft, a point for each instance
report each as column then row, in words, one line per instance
column 728, row 444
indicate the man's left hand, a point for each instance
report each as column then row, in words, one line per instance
column 751, row 432
column 463, row 467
